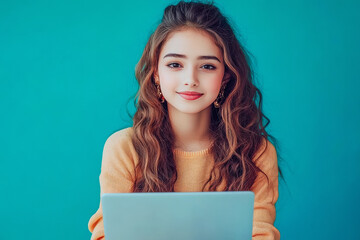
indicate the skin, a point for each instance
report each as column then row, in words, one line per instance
column 190, row 119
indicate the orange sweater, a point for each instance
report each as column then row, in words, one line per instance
column 117, row 172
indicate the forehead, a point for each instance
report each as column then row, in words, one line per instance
column 192, row 43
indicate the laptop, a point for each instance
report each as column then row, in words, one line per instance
column 178, row 215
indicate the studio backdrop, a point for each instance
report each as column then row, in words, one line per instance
column 67, row 74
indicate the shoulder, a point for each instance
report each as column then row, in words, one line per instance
column 119, row 158
column 266, row 157
column 265, row 186
column 120, row 140
column 118, row 148
column 121, row 136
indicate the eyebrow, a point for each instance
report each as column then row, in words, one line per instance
column 184, row 56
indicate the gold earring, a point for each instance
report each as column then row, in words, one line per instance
column 159, row 94
column 220, row 97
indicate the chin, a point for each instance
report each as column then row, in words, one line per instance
column 190, row 109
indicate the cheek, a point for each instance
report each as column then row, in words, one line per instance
column 214, row 85
column 167, row 81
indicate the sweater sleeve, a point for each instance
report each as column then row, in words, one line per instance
column 266, row 195
column 116, row 175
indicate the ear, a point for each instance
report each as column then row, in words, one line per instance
column 156, row 78
column 226, row 78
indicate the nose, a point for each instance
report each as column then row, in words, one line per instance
column 191, row 78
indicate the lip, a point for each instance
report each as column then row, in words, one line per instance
column 190, row 95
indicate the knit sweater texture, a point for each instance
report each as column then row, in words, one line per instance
column 193, row 168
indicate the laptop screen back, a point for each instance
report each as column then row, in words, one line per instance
column 178, row 215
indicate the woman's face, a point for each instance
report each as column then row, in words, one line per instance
column 190, row 71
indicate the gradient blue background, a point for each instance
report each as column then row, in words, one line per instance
column 67, row 71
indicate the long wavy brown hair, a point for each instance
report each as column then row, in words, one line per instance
column 236, row 127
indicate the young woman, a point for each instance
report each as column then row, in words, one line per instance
column 197, row 126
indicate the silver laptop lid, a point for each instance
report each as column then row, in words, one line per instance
column 178, row 215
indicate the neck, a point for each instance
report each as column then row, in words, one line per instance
column 191, row 130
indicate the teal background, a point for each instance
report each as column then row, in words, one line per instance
column 67, row 71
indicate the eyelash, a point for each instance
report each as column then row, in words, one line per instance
column 212, row 67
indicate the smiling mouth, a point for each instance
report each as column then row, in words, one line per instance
column 190, row 95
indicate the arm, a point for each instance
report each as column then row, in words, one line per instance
column 266, row 195
column 116, row 175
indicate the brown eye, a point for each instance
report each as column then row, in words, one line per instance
column 173, row 65
column 209, row 67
